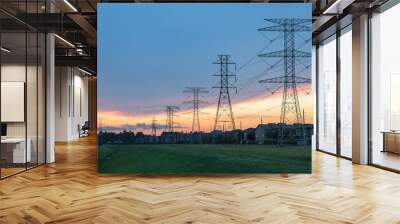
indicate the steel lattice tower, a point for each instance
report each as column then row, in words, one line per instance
column 170, row 124
column 224, row 114
column 196, row 91
column 153, row 127
column 290, row 101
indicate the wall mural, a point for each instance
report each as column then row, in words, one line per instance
column 204, row 88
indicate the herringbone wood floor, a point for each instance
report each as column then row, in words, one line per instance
column 70, row 191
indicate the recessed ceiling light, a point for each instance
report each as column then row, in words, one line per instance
column 79, row 51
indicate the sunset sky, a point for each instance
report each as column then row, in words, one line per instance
column 149, row 53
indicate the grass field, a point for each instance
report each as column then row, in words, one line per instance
column 203, row 159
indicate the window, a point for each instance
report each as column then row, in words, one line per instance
column 385, row 89
column 327, row 95
column 346, row 92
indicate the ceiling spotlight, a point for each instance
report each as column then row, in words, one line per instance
column 79, row 51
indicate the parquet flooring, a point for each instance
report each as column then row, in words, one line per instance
column 71, row 191
column 8, row 171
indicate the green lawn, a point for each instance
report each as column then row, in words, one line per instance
column 203, row 159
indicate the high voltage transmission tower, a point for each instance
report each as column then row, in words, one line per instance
column 196, row 91
column 170, row 123
column 154, row 127
column 290, row 108
column 224, row 114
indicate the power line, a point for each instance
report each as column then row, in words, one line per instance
column 251, row 80
column 256, row 55
column 274, row 66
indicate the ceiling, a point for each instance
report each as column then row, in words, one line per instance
column 75, row 21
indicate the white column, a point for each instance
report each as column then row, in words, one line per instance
column 50, row 99
column 360, row 90
column 314, row 92
column 50, row 92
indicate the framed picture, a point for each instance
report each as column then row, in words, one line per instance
column 202, row 88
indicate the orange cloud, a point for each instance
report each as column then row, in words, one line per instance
column 247, row 113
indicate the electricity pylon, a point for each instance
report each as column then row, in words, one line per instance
column 154, row 127
column 170, row 123
column 224, row 114
column 196, row 91
column 290, row 101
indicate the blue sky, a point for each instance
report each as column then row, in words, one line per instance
column 148, row 53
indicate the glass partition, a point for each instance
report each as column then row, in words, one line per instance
column 14, row 153
column 22, row 88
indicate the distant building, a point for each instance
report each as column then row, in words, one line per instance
column 233, row 137
column 217, row 137
column 298, row 134
column 182, row 137
column 267, row 133
column 199, row 137
column 168, row 137
column 249, row 136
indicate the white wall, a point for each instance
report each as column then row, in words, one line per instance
column 33, row 126
column 61, row 103
column 11, row 73
column 71, row 103
column 16, row 73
